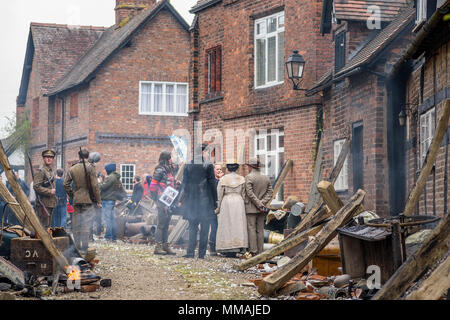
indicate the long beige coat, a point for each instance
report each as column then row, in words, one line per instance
column 232, row 222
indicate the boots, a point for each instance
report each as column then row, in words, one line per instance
column 159, row 249
column 167, row 249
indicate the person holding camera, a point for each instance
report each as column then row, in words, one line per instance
column 258, row 193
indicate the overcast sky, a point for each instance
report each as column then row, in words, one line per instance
column 15, row 24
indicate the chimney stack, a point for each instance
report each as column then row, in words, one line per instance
column 129, row 8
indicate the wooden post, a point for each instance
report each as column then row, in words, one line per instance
column 435, row 286
column 330, row 196
column 278, row 249
column 311, row 216
column 29, row 212
column 429, row 161
column 432, row 250
column 280, row 180
column 314, row 195
column 275, row 281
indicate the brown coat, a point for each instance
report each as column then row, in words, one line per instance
column 258, row 191
column 80, row 192
column 44, row 182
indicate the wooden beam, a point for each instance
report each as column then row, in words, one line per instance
column 432, row 250
column 314, row 195
column 278, row 249
column 429, row 160
column 280, row 180
column 330, row 196
column 340, row 161
column 436, row 285
column 275, row 281
column 14, row 206
column 311, row 218
column 29, row 212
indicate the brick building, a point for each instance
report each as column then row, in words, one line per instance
column 360, row 102
column 239, row 83
column 123, row 95
column 424, row 70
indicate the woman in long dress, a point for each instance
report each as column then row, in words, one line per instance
column 232, row 236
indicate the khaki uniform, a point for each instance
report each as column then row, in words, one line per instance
column 83, row 206
column 44, row 182
column 258, row 192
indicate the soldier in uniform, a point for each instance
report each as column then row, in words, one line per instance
column 45, row 188
column 84, row 209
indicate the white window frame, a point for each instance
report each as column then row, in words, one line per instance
column 127, row 186
column 341, row 183
column 427, row 129
column 263, row 152
column 421, row 11
column 265, row 36
column 164, row 85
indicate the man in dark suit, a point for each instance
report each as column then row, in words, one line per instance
column 258, row 193
column 218, row 173
column 200, row 195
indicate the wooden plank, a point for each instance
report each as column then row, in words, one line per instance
column 429, row 161
column 182, row 224
column 280, row 179
column 314, row 195
column 29, row 212
column 330, row 196
column 436, row 285
column 340, row 161
column 432, row 250
column 278, row 249
column 275, row 281
column 311, row 218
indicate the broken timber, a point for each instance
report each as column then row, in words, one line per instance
column 280, row 180
column 318, row 213
column 29, row 212
column 429, row 160
column 327, row 191
column 275, row 281
column 432, row 250
column 278, row 249
column 436, row 285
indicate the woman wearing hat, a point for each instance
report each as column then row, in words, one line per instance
column 232, row 236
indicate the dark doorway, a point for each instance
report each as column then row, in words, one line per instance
column 396, row 143
column 357, row 156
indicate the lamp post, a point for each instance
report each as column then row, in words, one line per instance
column 295, row 66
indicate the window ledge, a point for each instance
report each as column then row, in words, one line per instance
column 209, row 99
column 267, row 86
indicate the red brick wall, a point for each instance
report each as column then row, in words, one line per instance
column 432, row 199
column 159, row 52
column 361, row 98
column 231, row 25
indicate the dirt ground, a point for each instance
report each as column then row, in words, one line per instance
column 138, row 274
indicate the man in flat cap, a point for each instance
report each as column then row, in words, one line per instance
column 85, row 194
column 258, row 193
column 45, row 188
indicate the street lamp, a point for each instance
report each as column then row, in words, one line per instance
column 295, row 66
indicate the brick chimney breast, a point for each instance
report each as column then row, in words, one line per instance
column 129, row 8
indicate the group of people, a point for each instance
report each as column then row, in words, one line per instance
column 228, row 211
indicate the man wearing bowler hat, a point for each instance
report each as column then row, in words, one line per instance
column 45, row 188
column 258, row 193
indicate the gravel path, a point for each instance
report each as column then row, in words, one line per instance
column 138, row 274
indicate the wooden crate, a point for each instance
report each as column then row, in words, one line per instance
column 31, row 255
column 328, row 261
